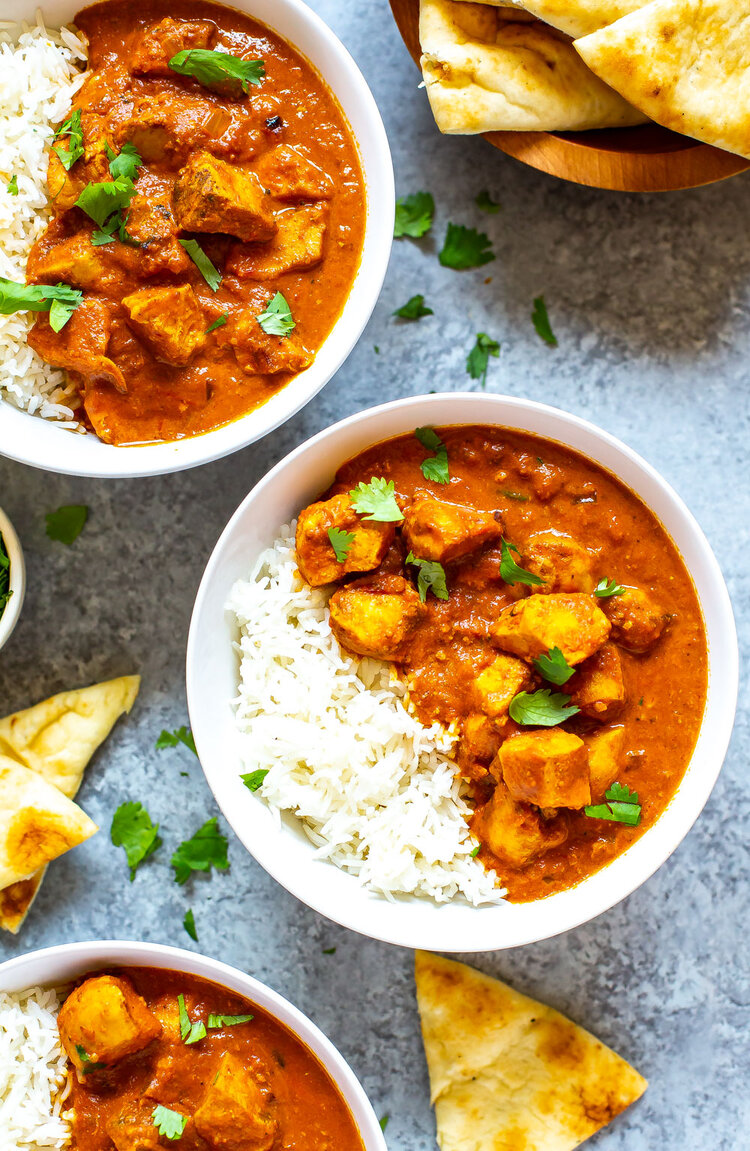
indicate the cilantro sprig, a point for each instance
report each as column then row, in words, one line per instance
column 376, row 500
column 465, row 248
column 413, row 309
column 173, row 738
column 542, row 326
column 341, row 542
column 622, row 806
column 133, row 830
column 513, row 573
column 543, row 708
column 60, row 300
column 219, row 71
column 554, row 667
column 435, row 467
column 73, row 130
column 478, row 359
column 431, row 577
column 204, row 850
column 606, row 588
column 170, row 1124
column 414, row 215
column 277, row 319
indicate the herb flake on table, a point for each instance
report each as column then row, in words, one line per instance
column 341, row 543
column 431, row 577
column 180, row 735
column 543, row 708
column 607, row 588
column 554, row 667
column 219, row 71
column 204, row 850
column 414, row 215
column 74, row 132
column 5, row 592
column 219, row 322
column 189, row 1032
column 210, row 274
column 384, row 1122
column 485, row 203
column 277, row 320
column 413, row 309
column 217, row 1021
column 329, row 950
column 435, row 467
column 12, row 186
column 376, row 500
column 542, row 326
column 465, row 248
column 168, row 1123
column 622, row 806
column 60, row 300
column 254, row 779
column 66, row 523
column 189, row 924
column 511, row 572
column 133, row 830
column 478, row 359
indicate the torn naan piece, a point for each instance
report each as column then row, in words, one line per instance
column 486, row 72
column 37, row 822
column 507, row 1071
column 575, row 17
column 685, row 63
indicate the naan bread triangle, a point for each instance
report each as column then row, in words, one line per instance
column 37, row 822
column 575, row 17
column 685, row 63
column 485, row 72
column 508, row 1072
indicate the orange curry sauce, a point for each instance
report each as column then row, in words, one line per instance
column 536, row 485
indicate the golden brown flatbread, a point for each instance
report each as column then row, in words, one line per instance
column 37, row 822
column 486, row 72
column 507, row 1072
column 685, row 63
column 575, row 17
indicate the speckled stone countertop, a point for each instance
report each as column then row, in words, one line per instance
column 650, row 300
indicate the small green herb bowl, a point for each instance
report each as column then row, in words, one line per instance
column 10, row 609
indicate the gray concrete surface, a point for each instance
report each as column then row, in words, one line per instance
column 649, row 297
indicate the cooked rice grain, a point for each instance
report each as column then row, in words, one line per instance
column 33, row 1072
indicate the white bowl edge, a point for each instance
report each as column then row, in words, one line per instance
column 17, row 583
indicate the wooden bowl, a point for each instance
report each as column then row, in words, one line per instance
column 643, row 159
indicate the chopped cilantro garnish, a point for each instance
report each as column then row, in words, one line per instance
column 125, row 163
column 107, row 198
column 277, row 319
column 173, row 738
column 465, row 248
column 542, row 708
column 554, row 667
column 210, row 274
column 204, row 850
column 485, row 203
column 414, row 215
column 73, row 130
column 60, row 300
column 622, row 806
column 431, row 578
column 132, row 829
column 12, row 187
column 519, row 497
column 478, row 358
column 541, row 323
column 217, row 1021
column 219, row 71
column 341, row 542
column 511, row 572
column 376, row 500
column 606, row 588
column 219, row 322
column 384, row 1122
column 189, row 1032
column 168, row 1123
column 189, row 924
column 254, row 779
column 435, row 467
column 413, row 309
column 475, row 852
column 66, row 523
column 5, row 592
column 87, row 1064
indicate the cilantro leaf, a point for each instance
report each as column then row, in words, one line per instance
column 189, row 1032
column 60, row 300
column 511, row 572
column 66, row 523
column 554, row 667
column 219, row 322
column 414, row 215
column 217, row 1021
column 132, row 829
column 168, row 1123
column 384, row 1122
column 431, row 578
column 542, row 708
column 99, row 201
column 173, row 738
column 606, row 588
column 277, row 319
column 376, row 500
column 87, row 1064
column 5, row 592
column 254, row 779
column 219, row 71
column 622, row 806
column 541, row 323
column 73, row 130
column 478, row 358
column 12, row 187
column 485, row 203
column 519, row 497
column 413, row 309
column 124, row 163
column 435, row 467
column 341, row 542
column 465, row 248
column 475, row 851
column 210, row 274
column 204, row 850
column 189, row 924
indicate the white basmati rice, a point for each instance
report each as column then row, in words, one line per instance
column 376, row 790
column 33, row 1072
column 39, row 73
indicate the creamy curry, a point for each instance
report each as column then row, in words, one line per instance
column 191, row 200
column 164, row 1059
column 534, row 603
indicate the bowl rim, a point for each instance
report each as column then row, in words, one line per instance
column 607, row 887
column 17, row 584
column 42, row 444
column 91, row 955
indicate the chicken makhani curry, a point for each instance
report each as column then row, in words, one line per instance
column 535, row 606
column 163, row 1059
column 208, row 220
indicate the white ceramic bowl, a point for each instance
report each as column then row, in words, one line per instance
column 55, row 966
column 9, row 618
column 42, row 444
column 286, row 852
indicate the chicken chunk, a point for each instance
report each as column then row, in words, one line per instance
column 213, row 196
column 548, row 768
column 104, row 1020
column 375, row 619
column 65, row 185
column 480, row 742
column 298, row 244
column 168, row 126
column 439, row 530
column 598, row 687
column 495, row 687
column 160, row 43
column 558, row 559
column 81, row 345
column 289, row 175
column 532, row 626
column 169, row 320
column 316, row 558
column 515, row 832
column 235, row 1115
column 605, row 759
column 75, row 261
column 260, row 354
column 637, row 620
column 152, row 224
